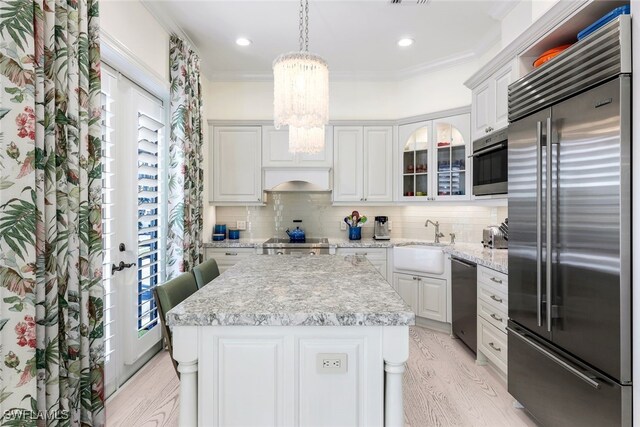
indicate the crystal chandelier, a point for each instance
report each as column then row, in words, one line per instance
column 301, row 93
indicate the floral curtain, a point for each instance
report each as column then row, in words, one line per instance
column 184, row 245
column 51, row 295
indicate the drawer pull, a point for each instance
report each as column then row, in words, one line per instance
column 231, row 253
column 495, row 298
column 361, row 253
column 493, row 279
column 492, row 345
column 499, row 319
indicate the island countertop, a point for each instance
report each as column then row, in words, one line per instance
column 323, row 290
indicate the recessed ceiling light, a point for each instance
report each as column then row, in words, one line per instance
column 405, row 42
column 243, row 41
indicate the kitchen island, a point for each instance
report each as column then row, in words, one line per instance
column 292, row 340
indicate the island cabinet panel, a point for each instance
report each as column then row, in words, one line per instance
column 250, row 372
column 272, row 376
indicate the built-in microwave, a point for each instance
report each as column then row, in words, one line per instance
column 490, row 164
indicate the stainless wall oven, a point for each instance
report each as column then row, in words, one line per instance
column 490, row 164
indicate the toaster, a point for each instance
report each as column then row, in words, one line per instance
column 494, row 238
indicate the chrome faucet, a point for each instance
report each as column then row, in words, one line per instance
column 438, row 234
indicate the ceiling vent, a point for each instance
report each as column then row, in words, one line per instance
column 410, row 2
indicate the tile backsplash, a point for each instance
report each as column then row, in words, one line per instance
column 321, row 219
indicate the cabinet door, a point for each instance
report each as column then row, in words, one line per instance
column 414, row 161
column 407, row 287
column 275, row 148
column 323, row 158
column 348, row 164
column 501, row 81
column 482, row 109
column 378, row 164
column 451, row 148
column 432, row 298
column 236, row 163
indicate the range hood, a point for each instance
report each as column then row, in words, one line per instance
column 297, row 179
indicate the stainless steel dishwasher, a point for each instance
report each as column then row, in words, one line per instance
column 464, row 302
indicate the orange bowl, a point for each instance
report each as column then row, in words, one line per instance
column 550, row 54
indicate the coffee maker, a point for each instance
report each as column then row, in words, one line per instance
column 381, row 228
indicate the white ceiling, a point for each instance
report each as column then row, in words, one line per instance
column 358, row 38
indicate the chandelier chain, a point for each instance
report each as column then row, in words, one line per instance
column 301, row 26
column 306, row 26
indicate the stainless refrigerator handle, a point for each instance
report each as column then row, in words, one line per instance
column 539, row 222
column 548, row 205
column 556, row 359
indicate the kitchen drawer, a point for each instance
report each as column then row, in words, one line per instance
column 376, row 256
column 492, row 342
column 228, row 257
column 493, row 315
column 494, row 296
column 493, row 278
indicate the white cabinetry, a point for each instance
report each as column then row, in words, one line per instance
column 275, row 150
column 433, row 159
column 492, row 318
column 376, row 256
column 237, row 174
column 227, row 257
column 427, row 296
column 363, row 164
column 489, row 106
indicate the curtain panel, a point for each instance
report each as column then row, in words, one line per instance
column 184, row 243
column 51, row 294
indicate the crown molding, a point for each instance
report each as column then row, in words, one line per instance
column 558, row 13
column 502, row 9
column 166, row 21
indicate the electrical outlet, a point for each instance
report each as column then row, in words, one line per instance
column 343, row 225
column 332, row 363
column 241, row 225
column 390, row 225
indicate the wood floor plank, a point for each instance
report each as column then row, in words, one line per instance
column 442, row 387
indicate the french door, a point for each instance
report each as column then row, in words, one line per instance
column 133, row 223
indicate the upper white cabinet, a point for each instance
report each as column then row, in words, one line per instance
column 275, row 150
column 363, row 164
column 489, row 110
column 433, row 159
column 237, row 171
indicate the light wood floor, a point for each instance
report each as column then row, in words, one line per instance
column 443, row 387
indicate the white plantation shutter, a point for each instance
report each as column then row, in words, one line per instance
column 108, row 235
column 150, row 271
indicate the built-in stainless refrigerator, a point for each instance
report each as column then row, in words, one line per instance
column 569, row 333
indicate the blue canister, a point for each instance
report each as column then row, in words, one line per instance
column 234, row 233
column 220, row 229
column 355, row 233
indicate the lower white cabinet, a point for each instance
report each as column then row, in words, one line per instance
column 427, row 296
column 227, row 257
column 376, row 256
column 492, row 318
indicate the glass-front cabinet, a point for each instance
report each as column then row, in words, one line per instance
column 434, row 159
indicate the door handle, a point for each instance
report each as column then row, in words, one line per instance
column 549, row 236
column 539, row 222
column 121, row 266
column 556, row 359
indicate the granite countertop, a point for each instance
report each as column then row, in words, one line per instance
column 324, row 290
column 235, row 243
column 495, row 259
